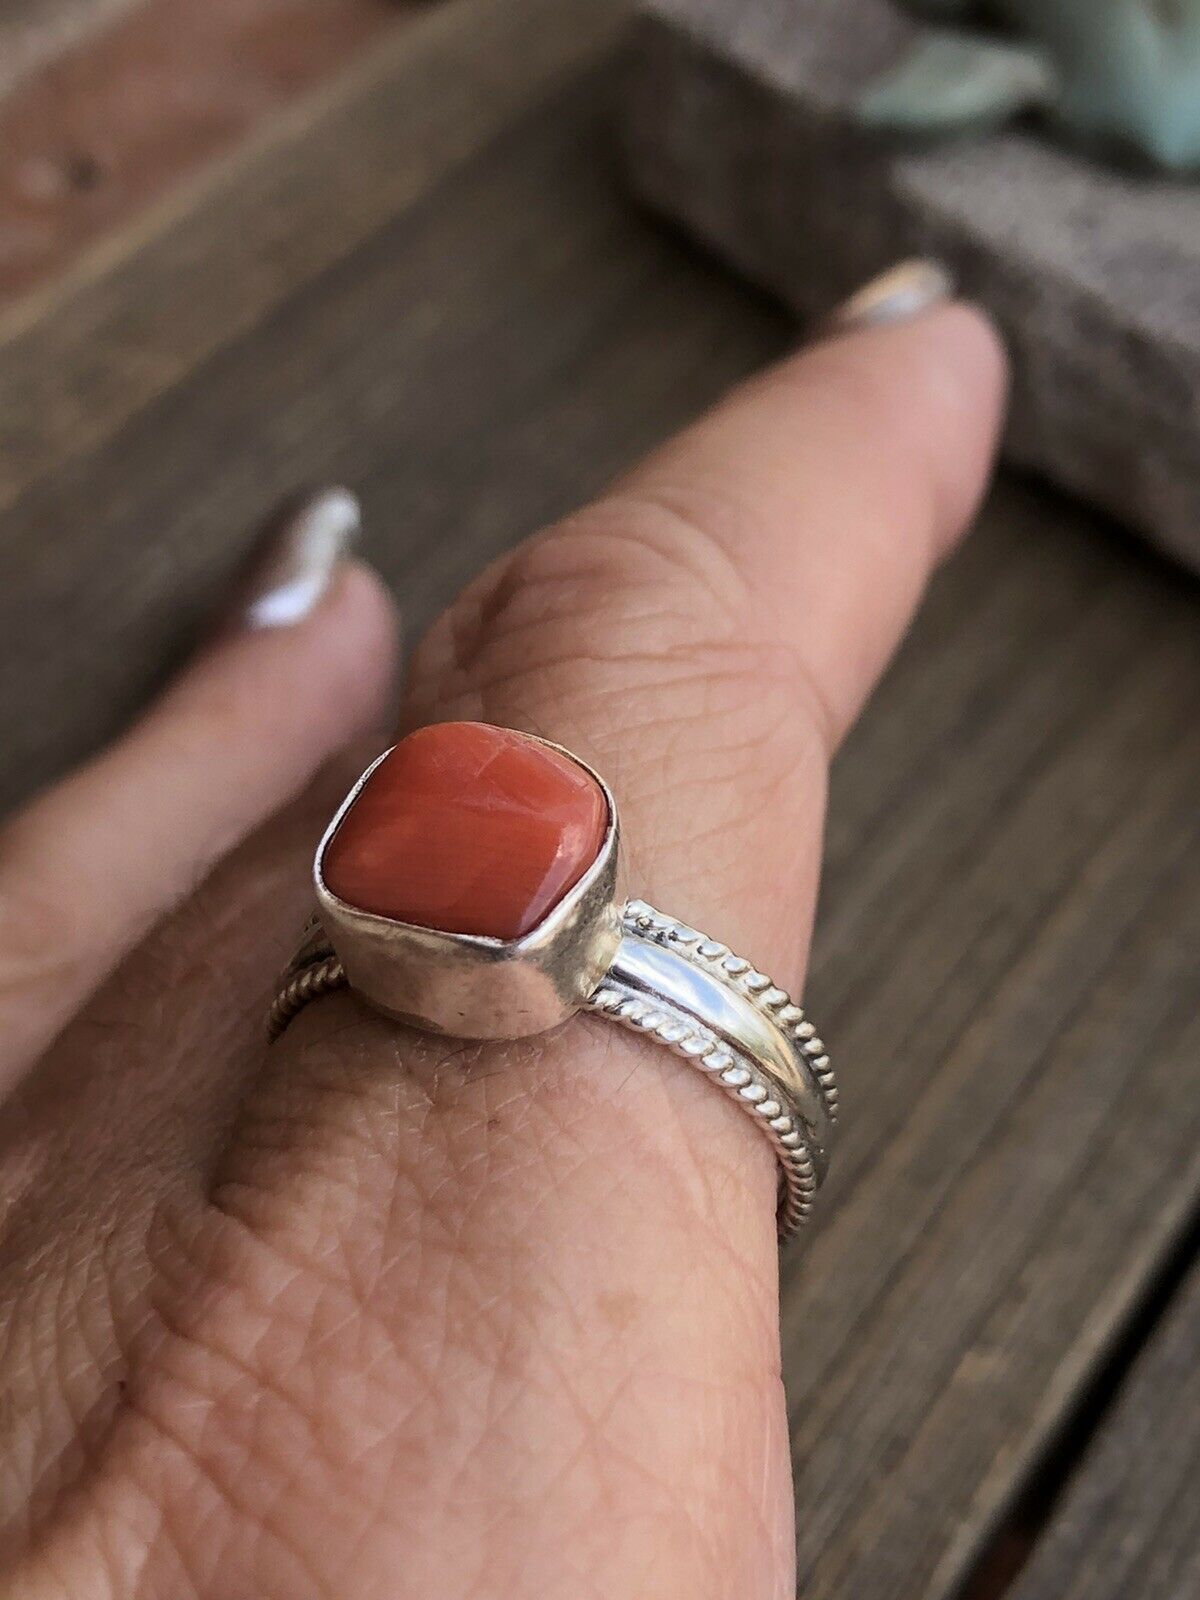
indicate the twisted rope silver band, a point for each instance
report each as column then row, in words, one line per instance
column 707, row 1005
column 737, row 971
column 727, row 1054
column 310, row 983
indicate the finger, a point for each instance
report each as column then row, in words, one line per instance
column 708, row 630
column 564, row 1248
column 305, row 662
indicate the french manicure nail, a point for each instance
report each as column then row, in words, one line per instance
column 299, row 564
column 904, row 291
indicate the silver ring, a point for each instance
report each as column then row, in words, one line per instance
column 591, row 949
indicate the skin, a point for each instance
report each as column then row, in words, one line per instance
column 370, row 1314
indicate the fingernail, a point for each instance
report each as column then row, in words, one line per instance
column 301, row 559
column 901, row 293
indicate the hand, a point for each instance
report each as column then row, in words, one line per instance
column 376, row 1314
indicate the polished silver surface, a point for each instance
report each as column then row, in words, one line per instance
column 714, row 1008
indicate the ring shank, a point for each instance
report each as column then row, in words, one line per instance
column 662, row 974
column 712, row 1008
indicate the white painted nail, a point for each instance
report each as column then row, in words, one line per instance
column 903, row 292
column 301, row 561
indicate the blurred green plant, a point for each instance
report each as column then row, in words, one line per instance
column 1114, row 74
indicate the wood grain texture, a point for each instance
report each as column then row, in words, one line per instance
column 1129, row 1528
column 33, row 32
column 430, row 285
column 1007, row 964
column 110, row 122
column 298, row 318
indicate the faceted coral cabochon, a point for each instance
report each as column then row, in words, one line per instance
column 469, row 829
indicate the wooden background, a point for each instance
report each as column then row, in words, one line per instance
column 406, row 261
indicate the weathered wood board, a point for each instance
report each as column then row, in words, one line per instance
column 35, row 31
column 1129, row 1526
column 101, row 117
column 428, row 284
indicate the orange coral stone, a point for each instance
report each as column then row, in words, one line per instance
column 470, row 829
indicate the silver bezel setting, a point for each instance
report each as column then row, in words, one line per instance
column 622, row 960
column 468, row 985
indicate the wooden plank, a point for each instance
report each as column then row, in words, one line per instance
column 471, row 373
column 33, row 32
column 115, row 115
column 476, row 334
column 1007, row 961
column 103, row 342
column 1000, row 1246
column 1129, row 1525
